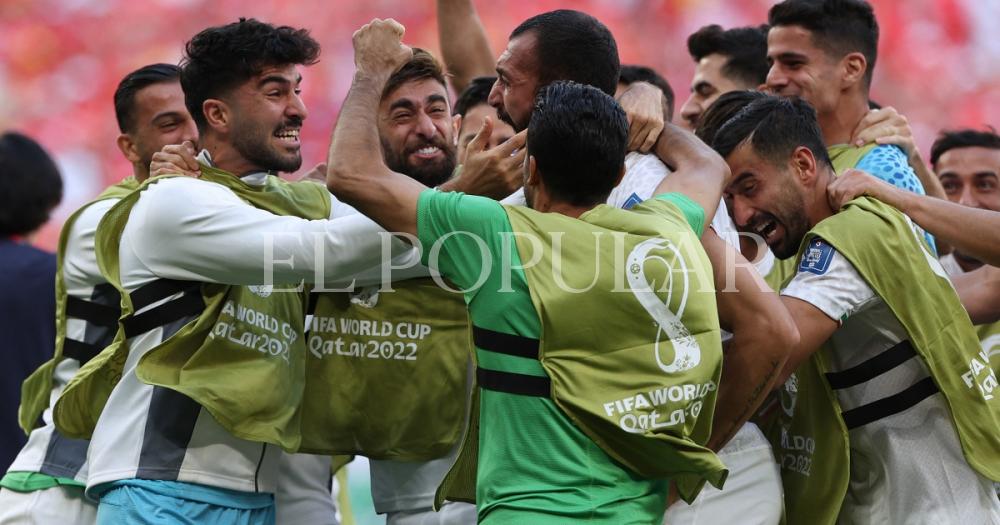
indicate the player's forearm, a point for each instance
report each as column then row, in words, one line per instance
column 979, row 292
column 763, row 334
column 972, row 231
column 932, row 185
column 464, row 46
column 355, row 159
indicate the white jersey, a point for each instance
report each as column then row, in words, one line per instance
column 194, row 230
column 47, row 451
column 643, row 173
column 906, row 463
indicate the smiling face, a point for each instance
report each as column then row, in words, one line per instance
column 767, row 199
column 513, row 94
column 267, row 116
column 801, row 69
column 160, row 119
column 417, row 131
column 708, row 84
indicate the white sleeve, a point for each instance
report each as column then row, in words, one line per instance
column 515, row 199
column 80, row 269
column 643, row 173
column 724, row 226
column 190, row 229
column 828, row 281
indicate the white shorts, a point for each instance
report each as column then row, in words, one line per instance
column 304, row 494
column 61, row 504
column 752, row 494
column 451, row 513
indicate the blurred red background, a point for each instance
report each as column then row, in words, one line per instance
column 60, row 60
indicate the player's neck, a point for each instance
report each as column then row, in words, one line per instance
column 838, row 125
column 226, row 158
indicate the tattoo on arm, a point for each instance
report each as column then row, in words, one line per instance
column 752, row 403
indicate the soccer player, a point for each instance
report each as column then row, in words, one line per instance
column 888, row 390
column 538, row 457
column 966, row 163
column 725, row 60
column 185, row 445
column 424, row 414
column 46, row 480
column 824, row 52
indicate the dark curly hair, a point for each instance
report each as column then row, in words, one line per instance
column 219, row 59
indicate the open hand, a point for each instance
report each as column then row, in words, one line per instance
column 494, row 173
column 885, row 126
column 853, row 184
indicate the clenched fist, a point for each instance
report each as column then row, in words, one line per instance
column 378, row 47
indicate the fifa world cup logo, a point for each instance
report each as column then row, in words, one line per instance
column 687, row 353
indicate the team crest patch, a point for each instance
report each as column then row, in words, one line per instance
column 817, row 257
column 632, row 201
column 263, row 290
column 366, row 298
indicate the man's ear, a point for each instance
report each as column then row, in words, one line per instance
column 217, row 113
column 804, row 164
column 854, row 67
column 533, row 178
column 456, row 125
column 127, row 147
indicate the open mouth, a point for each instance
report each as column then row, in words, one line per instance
column 288, row 135
column 767, row 229
column 427, row 152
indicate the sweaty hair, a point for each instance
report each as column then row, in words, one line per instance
column 571, row 45
column 838, row 27
column 723, row 109
column 476, row 93
column 774, row 127
column 963, row 138
column 30, row 185
column 219, row 59
column 745, row 49
column 578, row 136
column 423, row 65
column 633, row 73
column 135, row 82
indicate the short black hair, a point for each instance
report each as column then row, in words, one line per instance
column 221, row 58
column 724, row 108
column 744, row 47
column 578, row 136
column 633, row 73
column 30, row 185
column 476, row 93
column 422, row 65
column 572, row 45
column 963, row 138
column 774, row 127
column 133, row 83
column 838, row 26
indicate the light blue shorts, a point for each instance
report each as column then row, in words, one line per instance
column 152, row 502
